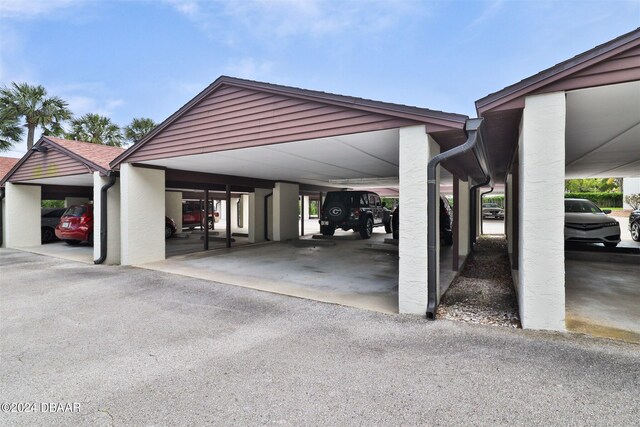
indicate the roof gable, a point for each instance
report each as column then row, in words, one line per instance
column 234, row 113
column 6, row 164
column 616, row 61
column 62, row 158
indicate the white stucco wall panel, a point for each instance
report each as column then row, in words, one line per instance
column 416, row 148
column 463, row 207
column 541, row 228
column 285, row 211
column 142, row 214
column 256, row 214
column 113, row 219
column 23, row 208
column 173, row 207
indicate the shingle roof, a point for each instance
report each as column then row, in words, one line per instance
column 99, row 154
column 6, row 163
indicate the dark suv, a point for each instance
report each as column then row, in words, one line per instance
column 446, row 222
column 359, row 211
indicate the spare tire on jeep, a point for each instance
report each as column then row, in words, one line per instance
column 337, row 211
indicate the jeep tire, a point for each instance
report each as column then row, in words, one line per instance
column 366, row 228
column 336, row 211
column 327, row 230
column 388, row 227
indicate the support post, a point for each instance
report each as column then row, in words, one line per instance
column 113, row 219
column 228, row 206
column 285, row 211
column 456, row 224
column 541, row 198
column 206, row 220
column 22, row 205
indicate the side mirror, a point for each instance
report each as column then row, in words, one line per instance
column 607, row 211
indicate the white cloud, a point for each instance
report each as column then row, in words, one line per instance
column 250, row 68
column 32, row 8
column 265, row 19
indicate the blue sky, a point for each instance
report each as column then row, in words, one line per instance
column 128, row 59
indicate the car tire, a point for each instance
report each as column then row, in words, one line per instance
column 610, row 244
column 336, row 211
column 327, row 230
column 168, row 232
column 635, row 231
column 210, row 223
column 366, row 229
column 72, row 242
column 47, row 235
column 388, row 227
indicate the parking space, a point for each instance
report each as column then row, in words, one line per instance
column 82, row 252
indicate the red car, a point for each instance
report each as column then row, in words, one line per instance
column 76, row 225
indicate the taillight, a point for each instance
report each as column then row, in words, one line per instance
column 356, row 213
column 84, row 218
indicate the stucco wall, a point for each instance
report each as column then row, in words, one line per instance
column 541, row 227
column 173, row 207
column 630, row 186
column 142, row 214
column 22, row 205
column 113, row 219
column 285, row 211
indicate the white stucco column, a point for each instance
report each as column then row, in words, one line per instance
column 478, row 212
column 630, row 186
column 463, row 218
column 4, row 224
column 113, row 219
column 235, row 201
column 508, row 213
column 73, row 201
column 173, row 207
column 256, row 214
column 142, row 214
column 416, row 148
column 244, row 211
column 541, row 227
column 305, row 207
column 285, row 211
column 23, row 209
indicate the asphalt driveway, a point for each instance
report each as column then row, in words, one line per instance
column 127, row 346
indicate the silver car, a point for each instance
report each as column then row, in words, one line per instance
column 584, row 222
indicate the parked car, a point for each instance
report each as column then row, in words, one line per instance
column 76, row 225
column 359, row 211
column 634, row 225
column 170, row 227
column 49, row 219
column 492, row 210
column 193, row 215
column 584, row 222
column 446, row 222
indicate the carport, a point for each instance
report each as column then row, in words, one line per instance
column 578, row 119
column 280, row 144
column 60, row 169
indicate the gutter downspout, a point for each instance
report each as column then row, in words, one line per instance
column 473, row 206
column 481, row 196
column 266, row 216
column 1, row 216
column 472, row 127
column 103, row 217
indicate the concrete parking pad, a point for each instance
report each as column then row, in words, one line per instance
column 81, row 253
column 139, row 347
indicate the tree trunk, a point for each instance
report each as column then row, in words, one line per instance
column 30, row 131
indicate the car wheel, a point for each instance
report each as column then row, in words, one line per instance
column 610, row 244
column 366, row 230
column 327, row 230
column 336, row 211
column 72, row 242
column 388, row 227
column 47, row 235
column 168, row 232
column 210, row 223
column 635, row 231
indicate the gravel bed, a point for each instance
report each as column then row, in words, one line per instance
column 483, row 293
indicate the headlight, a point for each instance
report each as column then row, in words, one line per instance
column 611, row 224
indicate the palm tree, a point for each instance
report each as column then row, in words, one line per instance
column 97, row 129
column 138, row 128
column 32, row 103
column 10, row 130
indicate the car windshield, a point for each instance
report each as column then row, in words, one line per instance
column 581, row 206
column 75, row 211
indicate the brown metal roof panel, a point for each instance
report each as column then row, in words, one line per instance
column 161, row 152
column 53, row 163
column 586, row 59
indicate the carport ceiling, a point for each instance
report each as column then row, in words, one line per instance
column 603, row 132
column 370, row 156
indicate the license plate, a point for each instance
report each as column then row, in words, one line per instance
column 324, row 222
column 65, row 224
